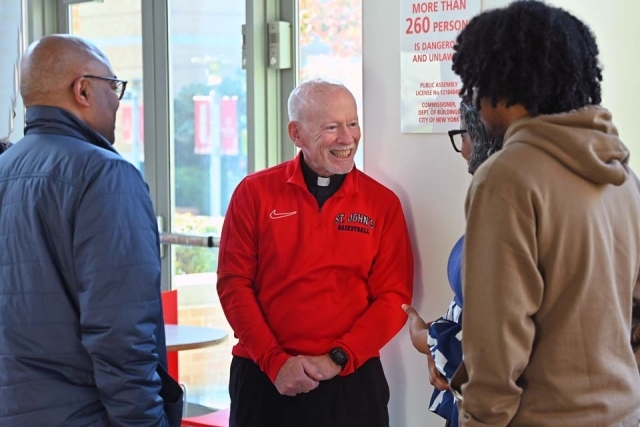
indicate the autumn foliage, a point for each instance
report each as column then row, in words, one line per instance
column 334, row 23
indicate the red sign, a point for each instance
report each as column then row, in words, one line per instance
column 141, row 122
column 126, row 123
column 202, row 119
column 229, row 123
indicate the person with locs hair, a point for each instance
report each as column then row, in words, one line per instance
column 552, row 250
column 442, row 337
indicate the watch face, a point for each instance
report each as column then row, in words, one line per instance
column 338, row 356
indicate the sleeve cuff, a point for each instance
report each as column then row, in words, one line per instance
column 350, row 367
column 275, row 364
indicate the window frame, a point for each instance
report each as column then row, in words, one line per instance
column 267, row 92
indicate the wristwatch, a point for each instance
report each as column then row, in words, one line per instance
column 338, row 356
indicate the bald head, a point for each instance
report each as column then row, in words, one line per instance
column 306, row 94
column 50, row 65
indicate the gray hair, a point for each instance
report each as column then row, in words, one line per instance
column 300, row 97
column 483, row 144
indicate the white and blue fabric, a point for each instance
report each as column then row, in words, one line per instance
column 445, row 342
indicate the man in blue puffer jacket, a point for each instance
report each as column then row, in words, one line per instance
column 81, row 330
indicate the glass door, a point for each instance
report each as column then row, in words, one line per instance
column 197, row 151
column 115, row 27
column 201, row 130
column 209, row 152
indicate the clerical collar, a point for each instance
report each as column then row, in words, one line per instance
column 313, row 180
column 322, row 188
column 323, row 182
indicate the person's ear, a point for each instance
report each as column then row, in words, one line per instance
column 294, row 133
column 81, row 92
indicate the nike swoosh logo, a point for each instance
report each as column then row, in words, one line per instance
column 275, row 215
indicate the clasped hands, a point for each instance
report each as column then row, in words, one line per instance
column 301, row 374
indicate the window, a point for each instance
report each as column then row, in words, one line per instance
column 188, row 122
column 330, row 40
column 207, row 147
column 209, row 151
column 115, row 27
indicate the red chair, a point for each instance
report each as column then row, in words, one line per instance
column 170, row 310
column 215, row 419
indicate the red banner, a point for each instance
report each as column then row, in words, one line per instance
column 229, row 122
column 202, row 122
column 141, row 123
column 126, row 123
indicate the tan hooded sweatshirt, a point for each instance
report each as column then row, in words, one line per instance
column 552, row 255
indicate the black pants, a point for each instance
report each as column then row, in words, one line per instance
column 356, row 400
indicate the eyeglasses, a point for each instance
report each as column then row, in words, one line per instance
column 456, row 136
column 117, row 85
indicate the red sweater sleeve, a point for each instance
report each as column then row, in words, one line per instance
column 390, row 286
column 237, row 267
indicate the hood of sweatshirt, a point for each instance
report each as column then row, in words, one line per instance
column 585, row 141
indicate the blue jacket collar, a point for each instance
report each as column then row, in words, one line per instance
column 45, row 119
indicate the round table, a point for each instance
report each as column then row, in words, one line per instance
column 183, row 337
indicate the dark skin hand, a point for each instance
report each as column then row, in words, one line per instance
column 419, row 331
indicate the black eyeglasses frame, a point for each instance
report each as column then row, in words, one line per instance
column 453, row 133
column 119, row 83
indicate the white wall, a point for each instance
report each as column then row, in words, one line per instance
column 10, row 50
column 431, row 178
column 617, row 32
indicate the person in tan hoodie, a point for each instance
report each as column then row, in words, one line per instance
column 552, row 250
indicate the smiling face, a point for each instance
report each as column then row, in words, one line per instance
column 328, row 131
